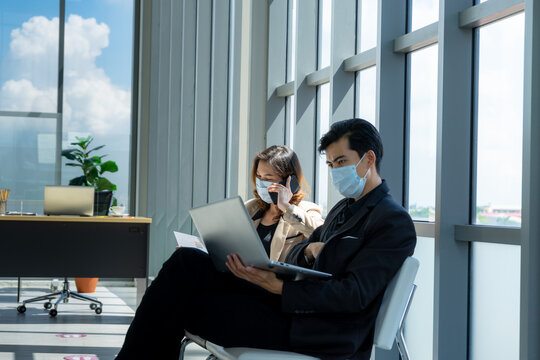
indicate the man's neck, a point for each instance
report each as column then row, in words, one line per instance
column 371, row 183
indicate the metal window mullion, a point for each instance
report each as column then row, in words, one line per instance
column 360, row 61
column 417, row 39
column 530, row 226
column 454, row 93
column 60, row 93
column 488, row 12
column 319, row 77
column 488, row 234
column 390, row 105
column 27, row 114
column 277, row 74
column 474, row 127
column 305, row 117
column 135, row 93
column 343, row 45
column 425, row 229
column 233, row 101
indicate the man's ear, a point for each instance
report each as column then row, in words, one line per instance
column 372, row 158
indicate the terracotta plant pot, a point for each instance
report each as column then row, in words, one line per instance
column 86, row 285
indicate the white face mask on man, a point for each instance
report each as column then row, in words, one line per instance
column 347, row 181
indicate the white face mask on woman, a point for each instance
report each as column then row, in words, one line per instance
column 262, row 190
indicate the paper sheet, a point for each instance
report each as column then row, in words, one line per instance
column 190, row 241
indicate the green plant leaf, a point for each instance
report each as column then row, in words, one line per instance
column 96, row 148
column 68, row 154
column 104, row 184
column 78, row 181
column 73, row 164
column 109, row 166
column 92, row 176
column 96, row 159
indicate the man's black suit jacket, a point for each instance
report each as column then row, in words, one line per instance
column 335, row 318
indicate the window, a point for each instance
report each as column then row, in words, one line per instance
column 423, row 133
column 419, row 322
column 500, row 122
column 96, row 91
column 495, row 297
column 424, row 12
column 368, row 25
column 325, row 32
column 367, row 94
column 291, row 73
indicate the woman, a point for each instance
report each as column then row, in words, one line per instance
column 291, row 219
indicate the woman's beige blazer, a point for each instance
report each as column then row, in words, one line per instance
column 296, row 224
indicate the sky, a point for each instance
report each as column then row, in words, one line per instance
column 97, row 76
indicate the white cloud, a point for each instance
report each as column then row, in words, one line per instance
column 92, row 103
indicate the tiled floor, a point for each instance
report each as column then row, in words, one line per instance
column 33, row 335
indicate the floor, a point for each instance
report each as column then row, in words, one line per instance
column 76, row 333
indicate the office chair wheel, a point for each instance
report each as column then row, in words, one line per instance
column 47, row 305
column 53, row 312
column 21, row 309
column 98, row 310
column 93, row 306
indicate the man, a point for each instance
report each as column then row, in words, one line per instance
column 364, row 241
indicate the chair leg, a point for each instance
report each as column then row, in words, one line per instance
column 402, row 346
column 185, row 342
column 400, row 338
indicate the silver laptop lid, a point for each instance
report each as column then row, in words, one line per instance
column 226, row 228
column 68, row 200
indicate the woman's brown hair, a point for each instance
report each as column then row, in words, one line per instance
column 285, row 162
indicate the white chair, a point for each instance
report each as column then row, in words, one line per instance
column 389, row 325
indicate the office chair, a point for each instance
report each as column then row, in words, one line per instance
column 389, row 326
column 64, row 296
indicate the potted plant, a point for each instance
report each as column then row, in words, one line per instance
column 93, row 168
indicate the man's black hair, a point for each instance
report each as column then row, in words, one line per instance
column 362, row 135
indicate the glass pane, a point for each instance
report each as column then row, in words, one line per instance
column 27, row 155
column 29, row 55
column 424, row 12
column 325, row 32
column 423, row 133
column 419, row 322
column 500, row 122
column 97, row 82
column 368, row 24
column 495, row 295
column 367, row 94
column 290, row 106
column 291, row 68
column 324, row 126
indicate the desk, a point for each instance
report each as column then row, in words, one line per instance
column 57, row 246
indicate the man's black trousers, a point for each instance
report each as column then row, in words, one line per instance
column 189, row 293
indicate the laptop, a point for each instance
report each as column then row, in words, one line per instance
column 68, row 200
column 226, row 228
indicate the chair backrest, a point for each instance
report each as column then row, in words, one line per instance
column 394, row 304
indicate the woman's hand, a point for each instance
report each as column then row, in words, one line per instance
column 265, row 279
column 284, row 194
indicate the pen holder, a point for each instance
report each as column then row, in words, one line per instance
column 4, row 193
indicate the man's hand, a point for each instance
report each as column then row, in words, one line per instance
column 313, row 250
column 284, row 194
column 265, row 279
